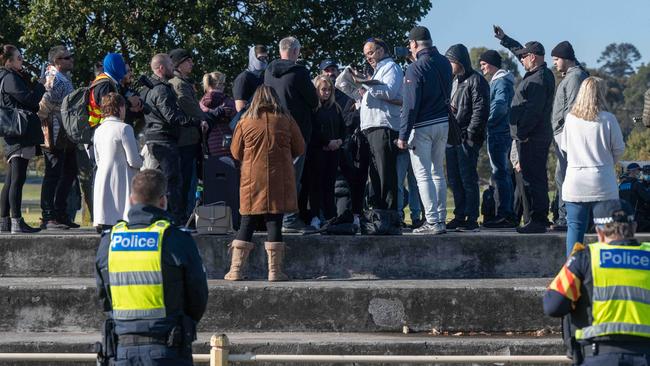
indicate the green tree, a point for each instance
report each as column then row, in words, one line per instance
column 619, row 59
column 218, row 33
column 637, row 146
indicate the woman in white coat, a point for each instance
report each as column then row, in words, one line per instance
column 118, row 161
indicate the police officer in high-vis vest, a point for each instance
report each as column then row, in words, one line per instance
column 151, row 282
column 603, row 293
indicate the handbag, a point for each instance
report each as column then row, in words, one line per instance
column 213, row 219
column 454, row 134
column 13, row 121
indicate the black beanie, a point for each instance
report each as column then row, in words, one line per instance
column 178, row 56
column 492, row 57
column 564, row 50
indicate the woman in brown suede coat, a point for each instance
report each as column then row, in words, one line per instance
column 265, row 141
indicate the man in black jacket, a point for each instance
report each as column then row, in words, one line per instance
column 129, row 294
column 470, row 102
column 163, row 128
column 298, row 96
column 530, row 126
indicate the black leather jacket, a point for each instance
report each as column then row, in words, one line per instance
column 166, row 117
column 471, row 98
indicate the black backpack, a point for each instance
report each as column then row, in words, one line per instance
column 74, row 114
column 488, row 206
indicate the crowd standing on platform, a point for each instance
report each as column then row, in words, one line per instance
column 339, row 153
column 396, row 138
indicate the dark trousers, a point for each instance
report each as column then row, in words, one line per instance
column 152, row 355
column 355, row 174
column 86, row 177
column 382, row 169
column 329, row 166
column 616, row 359
column 533, row 156
column 521, row 202
column 310, row 194
column 250, row 222
column 60, row 173
column 463, row 180
column 11, row 196
column 560, row 172
column 188, row 160
column 169, row 164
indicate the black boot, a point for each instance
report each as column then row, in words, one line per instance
column 19, row 226
column 5, row 225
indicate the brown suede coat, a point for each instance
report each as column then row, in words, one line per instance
column 266, row 148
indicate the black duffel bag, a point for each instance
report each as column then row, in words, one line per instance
column 13, row 122
column 381, row 222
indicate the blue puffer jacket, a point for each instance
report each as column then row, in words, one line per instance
column 501, row 93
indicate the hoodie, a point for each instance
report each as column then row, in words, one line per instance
column 565, row 96
column 255, row 66
column 470, row 97
column 501, row 93
column 246, row 83
column 295, row 90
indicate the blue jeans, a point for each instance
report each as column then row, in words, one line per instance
column 577, row 217
column 404, row 171
column 463, row 180
column 298, row 167
column 498, row 150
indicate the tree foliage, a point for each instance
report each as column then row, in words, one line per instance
column 619, row 59
column 218, row 33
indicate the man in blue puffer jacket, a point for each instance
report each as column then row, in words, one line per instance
column 498, row 136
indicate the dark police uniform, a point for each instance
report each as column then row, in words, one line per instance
column 603, row 292
column 152, row 285
column 634, row 192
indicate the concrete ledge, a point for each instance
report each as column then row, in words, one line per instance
column 310, row 343
column 454, row 255
column 498, row 305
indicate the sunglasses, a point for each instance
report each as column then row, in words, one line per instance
column 65, row 58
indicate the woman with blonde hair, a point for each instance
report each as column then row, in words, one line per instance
column 316, row 194
column 214, row 84
column 266, row 140
column 593, row 142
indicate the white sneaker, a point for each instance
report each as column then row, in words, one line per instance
column 315, row 222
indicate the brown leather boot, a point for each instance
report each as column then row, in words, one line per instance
column 275, row 256
column 239, row 250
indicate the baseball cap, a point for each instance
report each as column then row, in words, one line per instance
column 327, row 63
column 531, row 47
column 619, row 210
column 633, row 166
column 419, row 33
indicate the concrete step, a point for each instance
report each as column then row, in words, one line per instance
column 495, row 305
column 309, row 343
column 494, row 254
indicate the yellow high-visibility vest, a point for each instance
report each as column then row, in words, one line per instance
column 621, row 297
column 135, row 271
column 94, row 111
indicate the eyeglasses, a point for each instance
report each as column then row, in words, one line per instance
column 65, row 58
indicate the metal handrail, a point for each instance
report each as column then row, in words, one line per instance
column 220, row 356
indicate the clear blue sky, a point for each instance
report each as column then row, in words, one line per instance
column 590, row 25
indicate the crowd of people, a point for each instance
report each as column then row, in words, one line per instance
column 357, row 158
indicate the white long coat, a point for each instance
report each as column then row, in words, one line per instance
column 118, row 161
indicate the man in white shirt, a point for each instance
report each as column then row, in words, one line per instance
column 380, row 122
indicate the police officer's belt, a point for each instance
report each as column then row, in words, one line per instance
column 599, row 348
column 128, row 340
